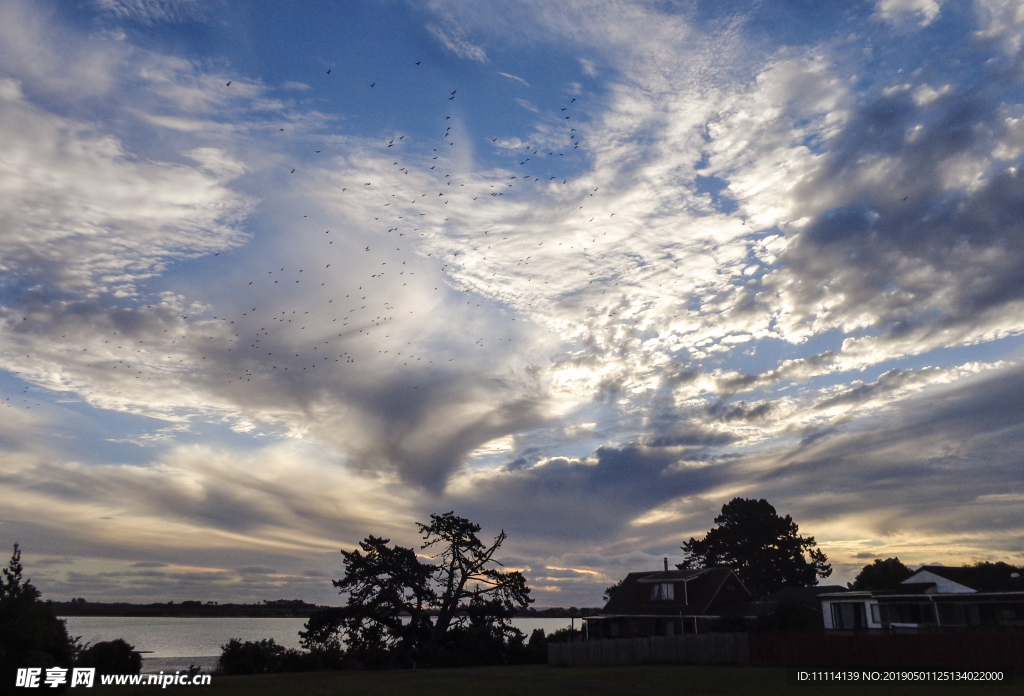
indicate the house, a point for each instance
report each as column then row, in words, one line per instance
column 933, row 597
column 670, row 602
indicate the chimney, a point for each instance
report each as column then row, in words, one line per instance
column 666, row 564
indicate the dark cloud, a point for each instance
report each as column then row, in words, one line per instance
column 936, row 242
column 566, row 503
column 740, row 411
column 944, row 462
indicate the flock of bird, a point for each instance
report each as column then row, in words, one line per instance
column 265, row 339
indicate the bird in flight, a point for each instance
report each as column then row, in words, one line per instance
column 228, row 84
column 328, row 72
column 372, row 84
column 418, row 62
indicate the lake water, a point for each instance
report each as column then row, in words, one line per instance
column 172, row 643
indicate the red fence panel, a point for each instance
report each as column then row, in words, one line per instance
column 970, row 649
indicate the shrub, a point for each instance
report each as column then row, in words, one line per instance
column 565, row 635
column 111, row 657
column 263, row 657
column 536, row 648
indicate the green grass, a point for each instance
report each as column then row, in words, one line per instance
column 541, row 680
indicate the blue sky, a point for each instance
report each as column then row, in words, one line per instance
column 274, row 277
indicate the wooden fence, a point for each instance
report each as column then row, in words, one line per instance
column 945, row 650
column 707, row 649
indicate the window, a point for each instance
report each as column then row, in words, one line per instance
column 952, row 615
column 663, row 591
column 876, row 614
column 848, row 615
column 908, row 613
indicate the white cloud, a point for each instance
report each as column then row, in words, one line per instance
column 527, row 105
column 1001, row 21
column 901, row 10
column 153, row 11
column 453, row 37
column 71, row 194
column 514, row 77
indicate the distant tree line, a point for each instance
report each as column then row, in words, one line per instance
column 278, row 608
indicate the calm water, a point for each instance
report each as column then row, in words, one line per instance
column 165, row 638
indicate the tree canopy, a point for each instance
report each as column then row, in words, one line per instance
column 400, row 607
column 764, row 549
column 612, row 589
column 881, row 575
column 31, row 635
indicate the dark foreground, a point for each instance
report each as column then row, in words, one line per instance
column 541, row 680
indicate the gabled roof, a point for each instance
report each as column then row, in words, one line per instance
column 996, row 578
column 702, row 585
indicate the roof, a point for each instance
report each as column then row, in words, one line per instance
column 700, row 586
column 996, row 577
column 907, row 588
column 802, row 594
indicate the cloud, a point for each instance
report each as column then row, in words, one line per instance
column 453, row 37
column 900, row 10
column 151, row 12
column 513, row 77
column 527, row 105
column 1001, row 21
column 76, row 193
column 216, row 504
column 722, row 275
column 905, row 476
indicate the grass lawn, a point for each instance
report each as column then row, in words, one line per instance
column 541, row 680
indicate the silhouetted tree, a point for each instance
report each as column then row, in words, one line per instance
column 763, row 548
column 470, row 587
column 611, row 589
column 31, row 635
column 463, row 599
column 881, row 575
column 995, row 575
column 383, row 583
column 537, row 647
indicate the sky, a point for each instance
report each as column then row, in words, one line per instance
column 278, row 276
